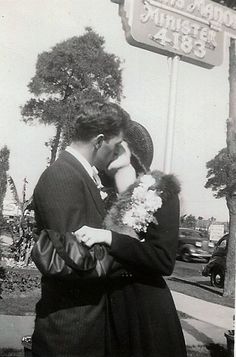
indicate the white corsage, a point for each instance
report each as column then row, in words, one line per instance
column 135, row 208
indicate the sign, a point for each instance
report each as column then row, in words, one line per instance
column 216, row 231
column 191, row 29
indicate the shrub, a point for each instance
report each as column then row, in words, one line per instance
column 2, row 278
column 18, row 281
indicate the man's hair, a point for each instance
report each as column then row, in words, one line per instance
column 97, row 118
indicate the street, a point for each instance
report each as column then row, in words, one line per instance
column 191, row 272
column 193, row 269
column 187, row 279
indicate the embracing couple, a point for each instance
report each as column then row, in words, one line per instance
column 103, row 292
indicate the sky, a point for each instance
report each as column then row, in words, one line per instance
column 29, row 27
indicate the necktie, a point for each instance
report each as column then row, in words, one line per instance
column 97, row 179
column 98, row 183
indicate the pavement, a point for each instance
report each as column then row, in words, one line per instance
column 205, row 323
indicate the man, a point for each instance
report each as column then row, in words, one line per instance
column 71, row 315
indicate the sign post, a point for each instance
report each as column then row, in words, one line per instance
column 170, row 127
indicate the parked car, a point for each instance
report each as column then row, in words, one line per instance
column 216, row 265
column 193, row 244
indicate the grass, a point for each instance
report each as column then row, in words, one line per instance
column 196, row 351
column 10, row 352
column 14, row 301
column 208, row 351
column 200, row 291
column 19, row 305
column 24, row 304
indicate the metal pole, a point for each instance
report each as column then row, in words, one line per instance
column 170, row 128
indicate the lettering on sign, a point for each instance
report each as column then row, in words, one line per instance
column 192, row 29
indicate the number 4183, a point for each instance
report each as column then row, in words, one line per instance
column 179, row 42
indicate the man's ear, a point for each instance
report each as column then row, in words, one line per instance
column 98, row 140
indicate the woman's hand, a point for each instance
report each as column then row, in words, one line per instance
column 90, row 236
column 121, row 168
column 122, row 159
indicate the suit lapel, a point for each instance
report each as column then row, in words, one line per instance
column 87, row 179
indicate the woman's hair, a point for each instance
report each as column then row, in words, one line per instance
column 96, row 118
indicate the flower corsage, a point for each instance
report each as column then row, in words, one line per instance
column 134, row 209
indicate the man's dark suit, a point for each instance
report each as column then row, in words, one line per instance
column 70, row 317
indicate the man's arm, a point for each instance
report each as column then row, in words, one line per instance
column 60, row 206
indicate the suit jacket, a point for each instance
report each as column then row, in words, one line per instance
column 70, row 316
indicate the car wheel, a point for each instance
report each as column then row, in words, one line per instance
column 217, row 278
column 186, row 256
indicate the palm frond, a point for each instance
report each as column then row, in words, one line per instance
column 14, row 191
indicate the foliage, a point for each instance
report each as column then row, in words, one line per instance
column 188, row 221
column 71, row 73
column 221, row 174
column 228, row 3
column 2, row 277
column 22, row 245
column 4, row 225
column 14, row 192
column 4, row 167
column 15, row 281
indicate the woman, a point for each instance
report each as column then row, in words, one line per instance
column 142, row 318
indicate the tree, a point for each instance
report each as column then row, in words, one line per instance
column 229, row 284
column 218, row 173
column 188, row 221
column 4, row 167
column 67, row 76
column 222, row 175
column 221, row 170
column 222, row 180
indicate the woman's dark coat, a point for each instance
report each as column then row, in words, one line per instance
column 144, row 321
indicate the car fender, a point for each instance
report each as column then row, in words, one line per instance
column 208, row 268
column 213, row 264
column 188, row 246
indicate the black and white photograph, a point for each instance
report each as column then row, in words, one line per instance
column 117, row 178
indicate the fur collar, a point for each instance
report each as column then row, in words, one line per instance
column 169, row 184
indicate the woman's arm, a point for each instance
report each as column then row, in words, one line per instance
column 156, row 255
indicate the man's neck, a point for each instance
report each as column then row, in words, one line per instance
column 84, row 149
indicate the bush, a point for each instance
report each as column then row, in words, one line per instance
column 18, row 281
column 2, row 278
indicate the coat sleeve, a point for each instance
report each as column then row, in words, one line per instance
column 156, row 255
column 60, row 207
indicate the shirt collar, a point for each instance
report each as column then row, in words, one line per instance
column 81, row 159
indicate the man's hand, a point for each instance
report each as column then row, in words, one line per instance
column 90, row 236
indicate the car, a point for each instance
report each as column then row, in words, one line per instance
column 217, row 263
column 193, row 244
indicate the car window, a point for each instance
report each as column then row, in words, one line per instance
column 222, row 244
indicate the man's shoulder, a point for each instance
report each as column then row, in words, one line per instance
column 64, row 168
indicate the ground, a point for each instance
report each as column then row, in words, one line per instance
column 186, row 279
